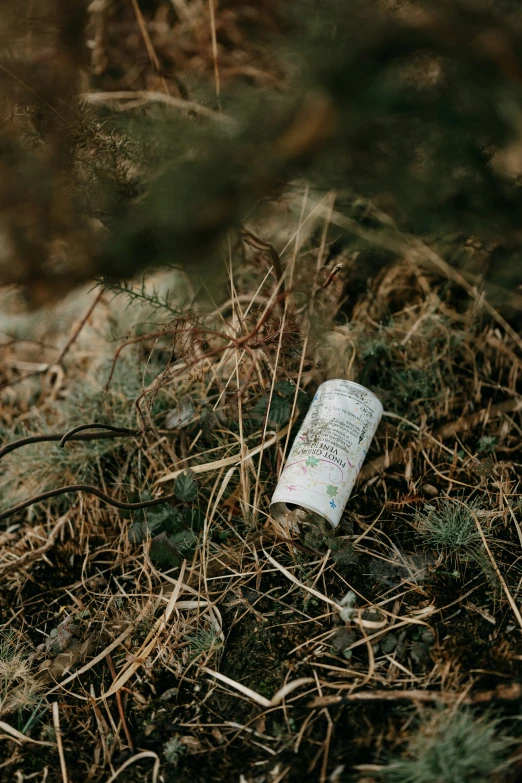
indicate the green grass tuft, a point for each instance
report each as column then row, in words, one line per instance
column 174, row 750
column 455, row 749
column 19, row 688
column 450, row 526
column 202, row 642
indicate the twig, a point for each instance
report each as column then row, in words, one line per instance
column 79, row 328
column 214, row 45
column 58, row 732
column 119, row 702
column 52, row 493
column 148, row 44
column 236, row 458
column 259, row 244
column 113, row 432
column 145, row 754
column 99, row 59
column 109, row 427
column 337, row 268
column 326, row 749
column 156, row 97
column 17, row 736
column 198, row 331
column 502, row 693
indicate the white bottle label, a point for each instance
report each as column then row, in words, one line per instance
column 329, row 451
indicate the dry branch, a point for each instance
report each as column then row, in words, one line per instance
column 502, row 693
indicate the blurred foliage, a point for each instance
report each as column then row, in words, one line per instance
column 414, row 105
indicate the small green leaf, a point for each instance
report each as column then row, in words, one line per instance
column 183, row 542
column 174, row 522
column 259, row 408
column 157, row 517
column 280, row 409
column 155, row 520
column 193, row 518
column 486, row 444
column 137, row 532
column 312, row 462
column 186, row 487
column 389, row 643
column 331, row 491
column 163, row 553
column 285, row 388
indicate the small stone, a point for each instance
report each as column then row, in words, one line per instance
column 389, row 643
column 401, row 645
column 428, row 637
column 342, row 639
column 349, row 599
column 420, row 653
column 169, row 694
column 346, row 613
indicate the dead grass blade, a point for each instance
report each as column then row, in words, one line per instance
column 511, row 600
column 13, row 734
column 142, row 97
column 261, row 700
column 296, row 581
column 58, row 733
column 152, row 639
column 145, row 754
column 236, row 459
column 112, row 646
column 276, row 699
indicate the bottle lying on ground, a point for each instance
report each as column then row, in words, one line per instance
column 327, row 454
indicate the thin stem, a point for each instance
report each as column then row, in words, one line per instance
column 52, row 493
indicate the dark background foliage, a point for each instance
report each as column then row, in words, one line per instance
column 413, row 106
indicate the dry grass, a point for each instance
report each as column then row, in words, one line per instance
column 200, row 640
column 241, row 659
